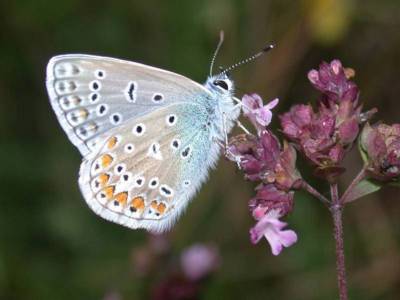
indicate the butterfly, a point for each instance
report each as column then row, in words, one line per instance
column 148, row 137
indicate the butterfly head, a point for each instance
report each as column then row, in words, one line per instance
column 221, row 84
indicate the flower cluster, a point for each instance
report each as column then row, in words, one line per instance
column 380, row 146
column 197, row 262
column 326, row 135
column 323, row 135
column 183, row 278
column 263, row 160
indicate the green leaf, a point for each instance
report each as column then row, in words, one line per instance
column 363, row 188
column 363, row 153
column 395, row 183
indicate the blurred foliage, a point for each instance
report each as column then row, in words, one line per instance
column 54, row 247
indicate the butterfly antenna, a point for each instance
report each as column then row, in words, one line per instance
column 249, row 59
column 221, row 40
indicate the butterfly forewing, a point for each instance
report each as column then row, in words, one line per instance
column 147, row 170
column 93, row 94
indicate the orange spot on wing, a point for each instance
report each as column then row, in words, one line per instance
column 153, row 205
column 161, row 208
column 138, row 203
column 106, row 160
column 112, row 142
column 121, row 198
column 158, row 207
column 109, row 191
column 103, row 179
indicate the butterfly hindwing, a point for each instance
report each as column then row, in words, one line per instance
column 92, row 94
column 148, row 169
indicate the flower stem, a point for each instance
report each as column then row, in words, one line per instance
column 353, row 184
column 307, row 187
column 336, row 210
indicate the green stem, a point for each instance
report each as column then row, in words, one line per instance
column 308, row 188
column 336, row 210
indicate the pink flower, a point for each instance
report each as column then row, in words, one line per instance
column 199, row 260
column 262, row 158
column 268, row 198
column 260, row 115
column 324, row 136
column 270, row 227
column 333, row 81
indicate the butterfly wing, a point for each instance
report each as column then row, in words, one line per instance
column 148, row 169
column 93, row 94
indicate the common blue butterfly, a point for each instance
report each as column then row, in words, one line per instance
column 148, row 137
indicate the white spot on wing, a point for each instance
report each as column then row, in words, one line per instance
column 166, row 191
column 139, row 181
column 120, row 168
column 100, row 74
column 154, row 151
column 129, row 148
column 153, row 183
column 94, row 97
column 139, row 129
column 157, row 98
column 175, row 143
column 101, row 197
column 101, row 109
column 95, row 85
column 126, row 177
column 171, row 119
column 116, row 119
column 131, row 91
column 186, row 152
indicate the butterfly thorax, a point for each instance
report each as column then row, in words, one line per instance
column 226, row 111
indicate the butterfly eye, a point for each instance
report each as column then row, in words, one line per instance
column 221, row 83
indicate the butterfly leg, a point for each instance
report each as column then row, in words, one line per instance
column 238, row 123
column 241, row 126
column 231, row 156
column 228, row 153
column 224, row 129
column 240, row 103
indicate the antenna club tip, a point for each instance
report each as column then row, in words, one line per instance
column 269, row 47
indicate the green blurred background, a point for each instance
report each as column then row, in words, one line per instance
column 53, row 247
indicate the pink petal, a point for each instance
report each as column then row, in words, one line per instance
column 336, row 66
column 264, row 116
column 288, row 237
column 274, row 242
column 272, row 104
column 247, row 104
column 271, row 227
column 313, row 76
column 259, row 212
column 257, row 100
